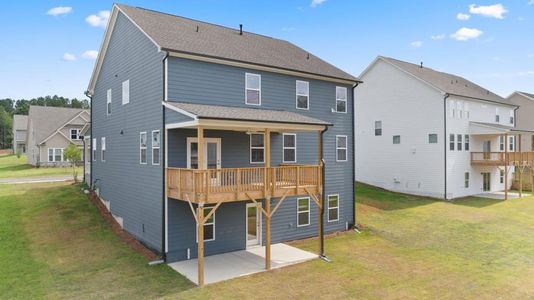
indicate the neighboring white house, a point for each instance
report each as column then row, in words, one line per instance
column 20, row 133
column 525, row 116
column 424, row 132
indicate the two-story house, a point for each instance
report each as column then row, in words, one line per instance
column 524, row 115
column 20, row 133
column 425, row 132
column 50, row 131
column 208, row 139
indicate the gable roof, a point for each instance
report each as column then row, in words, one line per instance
column 20, row 122
column 46, row 120
column 191, row 37
column 526, row 95
column 220, row 112
column 444, row 82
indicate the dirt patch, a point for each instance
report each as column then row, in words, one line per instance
column 122, row 234
column 5, row 151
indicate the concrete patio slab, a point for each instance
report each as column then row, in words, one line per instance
column 230, row 265
column 500, row 195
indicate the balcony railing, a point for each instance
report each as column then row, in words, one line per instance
column 237, row 184
column 502, row 158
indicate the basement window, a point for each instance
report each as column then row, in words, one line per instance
column 466, row 180
column 303, row 212
column 333, row 208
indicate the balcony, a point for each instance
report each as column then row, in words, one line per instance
column 239, row 184
column 502, row 158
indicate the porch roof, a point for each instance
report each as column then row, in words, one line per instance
column 480, row 128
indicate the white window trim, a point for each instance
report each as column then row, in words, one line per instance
column 77, row 134
column 141, row 148
column 467, row 180
column 345, row 100
column 459, row 142
column 308, row 211
column 511, row 143
column 54, row 154
column 108, row 102
column 329, row 208
column 501, row 176
column 247, row 88
column 393, row 141
column 297, row 95
column 502, row 146
column 497, row 116
column 341, row 148
column 126, row 92
column 250, row 149
column 452, row 140
column 467, row 142
column 103, row 149
column 196, row 230
column 284, row 148
column 376, row 128
column 94, row 149
column 152, row 145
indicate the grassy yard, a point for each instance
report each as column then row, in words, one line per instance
column 13, row 167
column 55, row 245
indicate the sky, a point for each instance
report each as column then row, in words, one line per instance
column 49, row 47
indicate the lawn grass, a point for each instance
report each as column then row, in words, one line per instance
column 55, row 245
column 12, row 166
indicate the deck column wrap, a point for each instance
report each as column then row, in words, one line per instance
column 267, row 193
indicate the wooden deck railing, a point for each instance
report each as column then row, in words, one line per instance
column 236, row 184
column 502, row 158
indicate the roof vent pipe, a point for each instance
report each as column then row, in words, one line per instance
column 421, row 65
column 197, row 28
column 240, row 29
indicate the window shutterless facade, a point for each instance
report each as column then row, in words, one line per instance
column 75, row 134
column 497, row 116
column 459, row 142
column 378, row 128
column 341, row 99
column 126, row 92
column 252, row 89
column 303, row 211
column 466, row 141
column 333, row 208
column 209, row 225
column 155, row 147
column 142, row 148
column 501, row 176
column 289, row 147
column 55, row 155
column 103, row 149
column 512, row 117
column 108, row 102
column 341, row 147
column 257, row 148
column 303, row 94
column 501, row 143
column 432, row 138
column 451, row 142
column 466, row 180
column 396, row 139
column 511, row 143
column 94, row 149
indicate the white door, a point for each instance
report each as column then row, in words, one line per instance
column 253, row 225
column 212, row 152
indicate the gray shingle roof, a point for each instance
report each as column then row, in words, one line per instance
column 180, row 34
column 46, row 119
column 527, row 94
column 448, row 83
column 203, row 111
column 20, row 122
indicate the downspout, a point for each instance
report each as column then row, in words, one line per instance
column 90, row 143
column 323, row 197
column 354, row 156
column 84, row 158
column 163, row 164
column 445, row 140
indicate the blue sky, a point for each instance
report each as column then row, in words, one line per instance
column 48, row 47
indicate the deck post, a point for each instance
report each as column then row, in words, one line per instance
column 520, row 168
column 506, row 142
column 200, row 254
column 320, row 211
column 268, row 233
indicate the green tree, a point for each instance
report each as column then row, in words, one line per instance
column 73, row 154
column 6, row 129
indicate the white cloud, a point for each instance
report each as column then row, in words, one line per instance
column 98, row 20
column 60, row 10
column 316, row 3
column 464, row 34
column 69, row 57
column 90, row 54
column 463, row 17
column 531, row 2
column 416, row 44
column 493, row 11
column 438, row 37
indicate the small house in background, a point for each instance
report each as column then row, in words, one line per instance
column 50, row 131
column 20, row 133
column 525, row 115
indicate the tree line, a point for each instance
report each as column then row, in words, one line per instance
column 10, row 107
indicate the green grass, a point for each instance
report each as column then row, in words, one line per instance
column 55, row 245
column 12, row 166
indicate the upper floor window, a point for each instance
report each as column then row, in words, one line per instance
column 451, row 142
column 512, row 117
column 290, row 147
column 433, row 138
column 459, row 141
column 303, row 94
column 126, row 92
column 378, row 128
column 155, row 147
column 466, row 111
column 94, row 149
column 108, row 103
column 142, row 148
column 103, row 149
column 257, row 148
column 75, row 134
column 341, row 99
column 459, row 109
column 396, row 140
column 466, row 141
column 497, row 116
column 341, row 148
column 252, row 89
column 452, row 109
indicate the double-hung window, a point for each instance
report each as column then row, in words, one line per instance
column 103, row 149
column 290, row 147
column 126, row 92
column 75, row 134
column 501, row 143
column 459, row 143
column 142, row 148
column 94, row 149
column 497, row 116
column 378, row 128
column 451, row 142
column 396, row 140
column 466, row 109
column 303, row 212
column 55, row 154
column 303, row 94
column 511, row 143
column 452, row 109
column 209, row 225
column 341, row 99
column 341, row 147
column 252, row 89
column 501, row 176
column 512, row 117
column 466, row 179
column 108, row 103
column 460, row 109
column 257, row 148
column 333, row 208
column 155, row 147
column 466, row 141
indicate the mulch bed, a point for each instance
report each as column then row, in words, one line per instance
column 122, row 234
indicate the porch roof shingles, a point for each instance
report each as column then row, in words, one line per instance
column 203, row 111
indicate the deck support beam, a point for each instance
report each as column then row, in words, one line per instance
column 200, row 244
column 320, row 205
